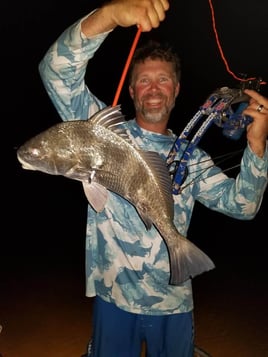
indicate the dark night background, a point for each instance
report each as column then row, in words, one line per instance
column 45, row 216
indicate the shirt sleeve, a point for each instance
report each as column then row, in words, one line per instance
column 238, row 197
column 63, row 70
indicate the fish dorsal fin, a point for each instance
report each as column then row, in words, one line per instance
column 160, row 172
column 96, row 194
column 112, row 119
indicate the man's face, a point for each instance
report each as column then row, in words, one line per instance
column 154, row 89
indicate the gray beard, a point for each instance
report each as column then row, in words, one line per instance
column 154, row 117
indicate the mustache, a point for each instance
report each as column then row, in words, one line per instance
column 153, row 95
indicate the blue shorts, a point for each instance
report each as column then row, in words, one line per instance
column 117, row 333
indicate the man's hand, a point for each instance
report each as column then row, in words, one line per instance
column 146, row 14
column 257, row 131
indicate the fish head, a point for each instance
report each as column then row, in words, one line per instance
column 77, row 148
column 56, row 151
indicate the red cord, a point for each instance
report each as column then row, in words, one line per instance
column 220, row 48
column 123, row 76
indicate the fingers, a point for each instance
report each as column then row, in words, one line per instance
column 155, row 13
column 257, row 98
column 160, row 8
column 257, row 109
column 150, row 13
column 158, row 12
column 257, row 103
column 257, row 130
column 146, row 14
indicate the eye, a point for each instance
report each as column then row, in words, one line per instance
column 144, row 80
column 163, row 79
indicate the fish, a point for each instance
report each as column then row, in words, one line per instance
column 100, row 154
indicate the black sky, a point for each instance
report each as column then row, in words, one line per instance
column 40, row 204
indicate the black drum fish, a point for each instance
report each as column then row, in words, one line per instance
column 99, row 153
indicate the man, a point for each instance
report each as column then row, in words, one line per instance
column 127, row 267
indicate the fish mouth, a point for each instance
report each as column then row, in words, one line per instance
column 25, row 165
column 25, row 159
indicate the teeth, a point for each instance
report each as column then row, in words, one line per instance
column 154, row 101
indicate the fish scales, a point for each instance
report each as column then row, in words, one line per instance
column 99, row 153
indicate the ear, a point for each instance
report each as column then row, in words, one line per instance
column 131, row 92
column 177, row 89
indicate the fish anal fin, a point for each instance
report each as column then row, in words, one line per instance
column 96, row 195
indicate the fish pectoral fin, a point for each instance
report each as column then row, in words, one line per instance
column 96, row 195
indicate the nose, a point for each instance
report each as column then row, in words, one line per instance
column 154, row 85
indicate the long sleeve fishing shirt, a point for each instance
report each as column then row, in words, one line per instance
column 126, row 264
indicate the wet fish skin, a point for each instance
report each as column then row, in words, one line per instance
column 99, row 153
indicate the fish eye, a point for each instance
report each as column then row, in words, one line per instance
column 35, row 152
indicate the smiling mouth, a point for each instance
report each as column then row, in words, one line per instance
column 156, row 102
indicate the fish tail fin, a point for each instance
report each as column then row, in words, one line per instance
column 187, row 261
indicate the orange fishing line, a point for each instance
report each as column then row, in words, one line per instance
column 123, row 76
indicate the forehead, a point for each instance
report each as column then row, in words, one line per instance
column 156, row 66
